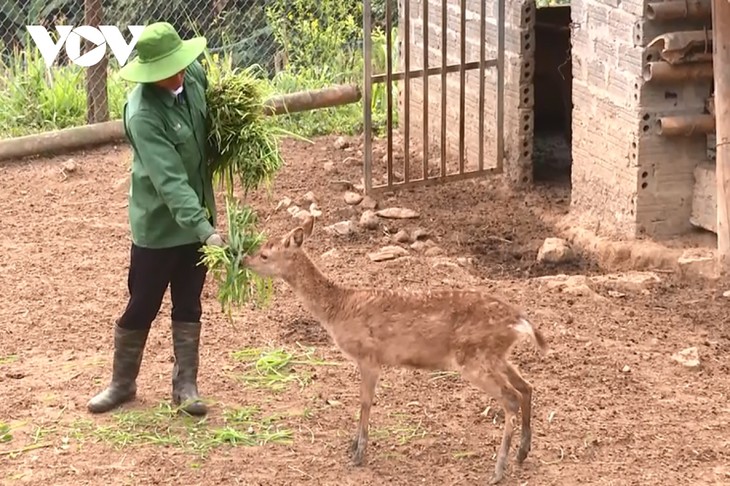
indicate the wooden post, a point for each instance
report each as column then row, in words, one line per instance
column 97, row 103
column 721, row 63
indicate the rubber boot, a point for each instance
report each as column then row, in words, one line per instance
column 186, row 343
column 128, row 350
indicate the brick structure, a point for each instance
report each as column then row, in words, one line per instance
column 627, row 180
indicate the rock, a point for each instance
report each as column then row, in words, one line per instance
column 353, row 198
column 388, row 253
column 574, row 284
column 626, row 369
column 343, row 228
column 419, row 246
column 283, row 204
column 726, row 294
column 302, row 214
column 309, row 198
column 69, row 166
column 434, row 251
column 402, row 237
column 697, row 263
column 397, row 213
column 329, row 167
column 369, row 220
column 368, row 203
column 465, row 261
column 314, row 210
column 341, row 143
column 628, row 282
column 689, row 358
column 555, row 250
column 419, row 234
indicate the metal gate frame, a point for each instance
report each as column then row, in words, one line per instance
column 443, row 70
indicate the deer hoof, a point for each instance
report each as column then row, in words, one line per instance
column 522, row 454
column 496, row 478
column 357, row 453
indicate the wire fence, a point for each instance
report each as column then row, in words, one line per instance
column 299, row 44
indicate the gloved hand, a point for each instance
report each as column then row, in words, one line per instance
column 214, row 240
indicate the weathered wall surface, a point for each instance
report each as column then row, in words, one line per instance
column 518, row 83
column 627, row 179
column 666, row 166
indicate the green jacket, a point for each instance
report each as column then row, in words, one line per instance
column 171, row 199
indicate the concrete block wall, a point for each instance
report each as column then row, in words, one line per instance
column 606, row 80
column 627, row 179
column 518, row 93
column 667, row 165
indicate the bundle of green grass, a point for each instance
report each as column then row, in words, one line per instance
column 244, row 145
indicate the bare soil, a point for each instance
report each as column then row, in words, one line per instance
column 610, row 406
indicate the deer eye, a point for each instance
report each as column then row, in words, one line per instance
column 264, row 256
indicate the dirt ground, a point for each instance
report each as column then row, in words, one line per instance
column 610, row 406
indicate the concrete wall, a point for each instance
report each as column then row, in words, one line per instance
column 627, row 180
column 518, row 83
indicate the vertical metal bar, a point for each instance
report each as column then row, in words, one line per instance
column 389, row 88
column 407, row 94
column 425, row 89
column 367, row 95
column 500, row 84
column 444, row 63
column 482, row 55
column 462, row 85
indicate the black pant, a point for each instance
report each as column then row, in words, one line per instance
column 151, row 271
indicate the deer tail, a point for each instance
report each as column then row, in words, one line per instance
column 523, row 326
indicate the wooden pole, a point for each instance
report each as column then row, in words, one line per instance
column 97, row 102
column 721, row 63
column 313, row 100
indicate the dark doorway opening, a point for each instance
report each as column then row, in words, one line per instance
column 553, row 106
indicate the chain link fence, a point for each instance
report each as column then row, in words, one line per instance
column 299, row 44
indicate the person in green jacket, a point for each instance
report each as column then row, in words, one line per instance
column 172, row 211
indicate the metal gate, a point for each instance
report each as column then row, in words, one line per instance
column 407, row 74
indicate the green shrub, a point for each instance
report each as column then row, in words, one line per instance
column 322, row 42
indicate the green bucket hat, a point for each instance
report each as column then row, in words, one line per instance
column 161, row 53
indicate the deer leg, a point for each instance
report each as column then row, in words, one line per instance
column 369, row 378
column 525, row 389
column 491, row 380
column 510, row 399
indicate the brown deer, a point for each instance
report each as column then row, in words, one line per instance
column 459, row 330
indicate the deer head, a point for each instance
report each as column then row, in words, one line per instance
column 279, row 258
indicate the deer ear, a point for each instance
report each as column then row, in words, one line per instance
column 308, row 226
column 295, row 238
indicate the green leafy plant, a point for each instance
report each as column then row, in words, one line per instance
column 236, row 283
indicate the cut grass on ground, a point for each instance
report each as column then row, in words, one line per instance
column 275, row 369
column 164, row 425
